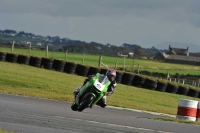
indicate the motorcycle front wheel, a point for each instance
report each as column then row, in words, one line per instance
column 74, row 106
column 86, row 102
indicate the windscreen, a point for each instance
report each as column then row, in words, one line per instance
column 103, row 79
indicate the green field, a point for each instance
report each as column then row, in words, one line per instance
column 131, row 64
column 51, row 84
column 26, row 80
column 4, row 131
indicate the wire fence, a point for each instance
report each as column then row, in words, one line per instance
column 28, row 50
column 194, row 83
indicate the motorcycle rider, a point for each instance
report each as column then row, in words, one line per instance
column 111, row 73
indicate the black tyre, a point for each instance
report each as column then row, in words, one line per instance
column 93, row 71
column 82, row 70
column 103, row 71
column 3, row 56
column 23, row 59
column 11, row 57
column 59, row 65
column 70, row 67
column 150, row 84
column 86, row 102
column 183, row 90
column 193, row 93
column 138, row 81
column 35, row 61
column 127, row 79
column 161, row 86
column 119, row 77
column 172, row 88
column 47, row 63
column 74, row 106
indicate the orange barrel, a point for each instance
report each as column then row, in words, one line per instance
column 187, row 109
column 198, row 112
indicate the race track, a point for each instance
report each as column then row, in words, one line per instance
column 32, row 115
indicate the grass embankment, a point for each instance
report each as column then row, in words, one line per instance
column 177, row 120
column 38, row 82
column 131, row 64
column 4, row 131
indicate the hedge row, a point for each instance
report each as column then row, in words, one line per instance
column 123, row 78
column 158, row 85
column 51, row 64
column 180, row 76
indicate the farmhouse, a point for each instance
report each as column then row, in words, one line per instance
column 177, row 55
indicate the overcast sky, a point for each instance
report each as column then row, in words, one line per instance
column 143, row 22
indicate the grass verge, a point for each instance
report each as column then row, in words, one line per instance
column 4, row 131
column 131, row 63
column 38, row 82
column 25, row 80
column 177, row 120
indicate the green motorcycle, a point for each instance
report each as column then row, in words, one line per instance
column 91, row 92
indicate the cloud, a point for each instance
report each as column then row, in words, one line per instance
column 143, row 22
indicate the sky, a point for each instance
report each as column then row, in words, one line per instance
column 143, row 22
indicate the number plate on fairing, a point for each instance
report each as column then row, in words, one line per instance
column 98, row 85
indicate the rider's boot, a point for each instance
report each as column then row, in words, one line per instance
column 77, row 90
column 102, row 102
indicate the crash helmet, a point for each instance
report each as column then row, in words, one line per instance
column 111, row 73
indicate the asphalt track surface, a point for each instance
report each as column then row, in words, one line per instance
column 33, row 115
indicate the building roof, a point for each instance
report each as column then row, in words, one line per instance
column 185, row 58
column 178, row 51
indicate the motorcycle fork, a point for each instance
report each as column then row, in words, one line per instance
column 98, row 98
column 81, row 95
column 85, row 96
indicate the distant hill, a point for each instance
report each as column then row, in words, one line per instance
column 24, row 39
column 55, row 42
column 193, row 48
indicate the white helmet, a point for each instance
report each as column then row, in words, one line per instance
column 111, row 73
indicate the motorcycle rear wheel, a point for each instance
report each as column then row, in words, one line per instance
column 86, row 102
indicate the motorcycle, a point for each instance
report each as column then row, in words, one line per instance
column 91, row 92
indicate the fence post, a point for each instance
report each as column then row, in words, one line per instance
column 116, row 64
column 53, row 54
column 83, row 58
column 125, row 61
column 192, row 82
column 30, row 48
column 138, row 71
column 47, row 49
column 13, row 45
column 100, row 60
column 168, row 75
column 66, row 54
column 133, row 66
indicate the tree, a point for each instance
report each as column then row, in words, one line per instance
column 139, row 51
column 10, row 31
column 196, row 54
